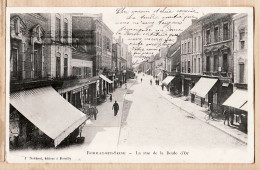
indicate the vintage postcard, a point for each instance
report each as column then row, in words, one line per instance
column 129, row 85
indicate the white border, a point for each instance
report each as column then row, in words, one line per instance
column 129, row 159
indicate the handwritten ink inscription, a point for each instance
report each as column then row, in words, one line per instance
column 148, row 29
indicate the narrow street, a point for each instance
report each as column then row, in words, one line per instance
column 152, row 121
column 147, row 119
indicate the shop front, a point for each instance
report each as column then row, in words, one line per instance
column 80, row 92
column 42, row 116
column 176, row 86
column 237, row 105
column 167, row 82
column 188, row 81
column 205, row 89
column 112, row 77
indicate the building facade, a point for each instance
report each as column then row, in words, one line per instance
column 239, row 109
column 174, row 67
column 40, row 61
column 218, row 60
column 240, row 50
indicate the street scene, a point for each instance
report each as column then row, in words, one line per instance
column 81, row 84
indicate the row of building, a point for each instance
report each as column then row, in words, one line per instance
column 208, row 63
column 58, row 64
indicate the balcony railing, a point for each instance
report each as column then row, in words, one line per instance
column 218, row 74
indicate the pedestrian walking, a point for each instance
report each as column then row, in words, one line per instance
column 121, row 83
column 115, row 108
column 93, row 112
column 162, row 86
column 226, row 116
column 110, row 97
column 141, row 80
column 210, row 111
column 151, row 82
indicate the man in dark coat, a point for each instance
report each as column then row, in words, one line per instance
column 226, row 116
column 210, row 110
column 115, row 108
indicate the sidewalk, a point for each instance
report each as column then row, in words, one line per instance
column 199, row 113
column 107, row 126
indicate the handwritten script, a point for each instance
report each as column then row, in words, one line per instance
column 145, row 30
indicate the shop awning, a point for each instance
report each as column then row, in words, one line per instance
column 237, row 99
column 77, row 84
column 203, row 86
column 105, row 78
column 48, row 111
column 167, row 80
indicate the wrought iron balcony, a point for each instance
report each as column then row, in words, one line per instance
column 218, row 74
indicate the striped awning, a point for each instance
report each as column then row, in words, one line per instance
column 49, row 111
column 203, row 86
column 167, row 80
column 237, row 100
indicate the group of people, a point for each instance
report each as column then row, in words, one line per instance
column 228, row 118
column 92, row 111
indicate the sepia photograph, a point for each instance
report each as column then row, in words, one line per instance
column 129, row 85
